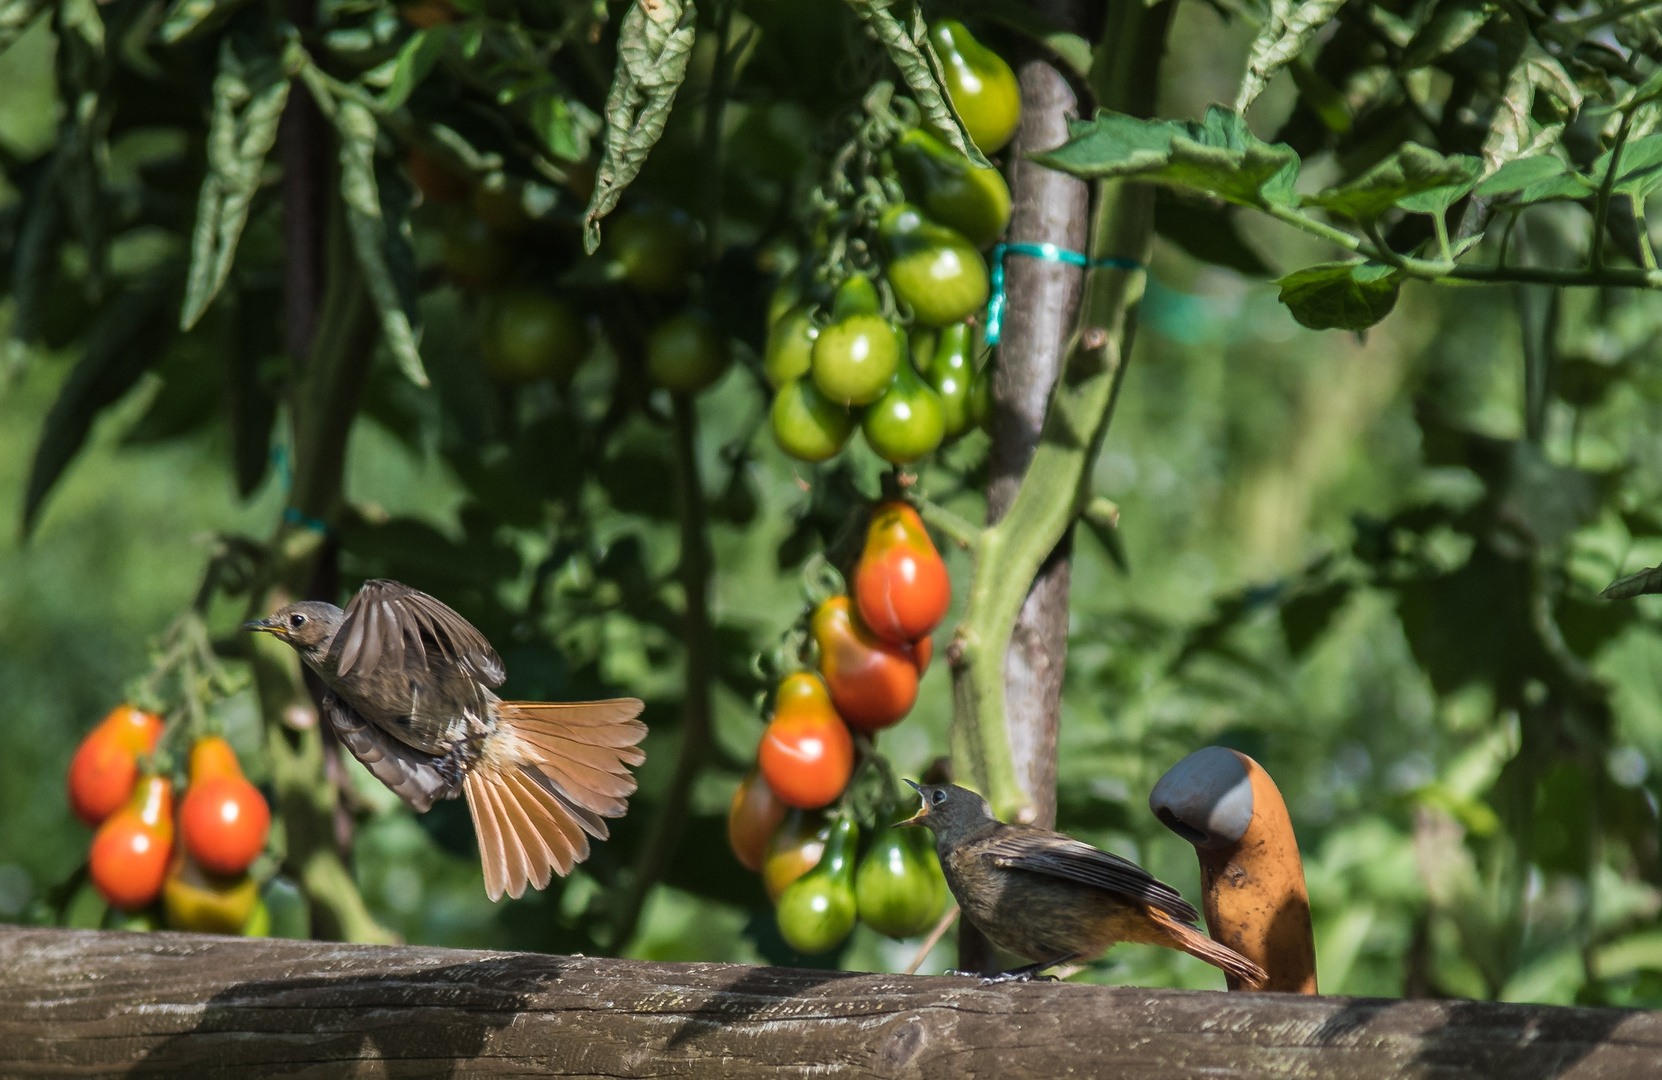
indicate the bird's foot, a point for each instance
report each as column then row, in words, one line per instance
column 955, row 973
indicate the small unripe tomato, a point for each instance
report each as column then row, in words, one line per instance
column 816, row 911
column 932, row 268
column 901, row 584
column 653, row 247
column 873, row 683
column 224, row 821
column 855, row 358
column 806, row 424
column 751, row 819
column 686, row 353
column 908, row 421
column 807, row 754
column 529, row 334
column 896, row 886
column 129, row 853
column 790, row 346
column 983, row 89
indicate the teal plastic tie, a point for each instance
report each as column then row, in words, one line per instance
column 1048, row 253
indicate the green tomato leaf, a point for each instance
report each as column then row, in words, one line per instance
column 1452, row 24
column 248, row 103
column 1640, row 584
column 1514, row 133
column 1522, row 173
column 414, row 63
column 921, row 68
column 1413, row 172
column 1218, row 156
column 1639, row 171
column 381, row 251
column 654, row 44
column 16, row 17
column 1340, row 296
column 187, row 18
column 1281, row 37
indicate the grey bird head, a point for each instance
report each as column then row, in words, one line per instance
column 309, row 626
column 951, row 812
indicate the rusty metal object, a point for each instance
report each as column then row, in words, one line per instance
column 1251, row 876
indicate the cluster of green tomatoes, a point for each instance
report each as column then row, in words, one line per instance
column 876, row 330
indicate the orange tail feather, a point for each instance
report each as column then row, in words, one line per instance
column 1174, row 934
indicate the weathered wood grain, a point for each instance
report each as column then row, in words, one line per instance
column 86, row 1003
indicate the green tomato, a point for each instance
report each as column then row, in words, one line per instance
column 908, row 421
column 932, row 268
column 983, row 89
column 806, row 425
column 974, row 201
column 654, row 248
column 817, row 910
column 790, row 347
column 259, row 921
column 786, row 295
column 855, row 296
column 686, row 353
column 951, row 372
column 896, row 887
column 291, row 914
column 530, row 335
column 474, row 253
column 855, row 359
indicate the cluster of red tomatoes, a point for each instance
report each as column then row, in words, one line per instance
column 222, row 824
column 834, row 356
column 872, row 649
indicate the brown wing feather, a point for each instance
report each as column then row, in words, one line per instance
column 387, row 621
column 1041, row 852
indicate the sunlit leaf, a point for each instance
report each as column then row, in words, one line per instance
column 1340, row 296
column 187, row 18
column 654, row 45
column 1280, row 38
column 16, row 17
column 1413, row 171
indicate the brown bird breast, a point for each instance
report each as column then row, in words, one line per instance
column 1037, row 916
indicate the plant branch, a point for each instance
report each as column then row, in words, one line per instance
column 1601, row 206
column 959, row 530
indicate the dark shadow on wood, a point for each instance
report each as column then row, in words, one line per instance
column 755, row 991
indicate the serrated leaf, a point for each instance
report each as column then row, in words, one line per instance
column 124, row 341
column 1340, row 296
column 1218, row 156
column 921, row 69
column 1413, row 171
column 1280, row 38
column 16, row 17
column 1520, row 173
column 189, row 17
column 1640, row 584
column 372, row 241
column 1512, row 134
column 654, row 44
column 414, row 63
column 248, row 103
column 1451, row 25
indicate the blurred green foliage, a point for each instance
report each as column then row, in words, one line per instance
column 1371, row 563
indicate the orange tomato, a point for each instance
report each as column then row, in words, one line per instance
column 901, row 584
column 794, row 849
column 105, row 765
column 807, row 754
column 923, row 651
column 224, row 820
column 129, row 855
column 751, row 819
column 873, row 683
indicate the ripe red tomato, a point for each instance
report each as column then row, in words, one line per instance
column 873, row 683
column 224, row 821
column 751, row 819
column 901, row 583
column 923, row 651
column 105, row 765
column 807, row 754
column 129, row 855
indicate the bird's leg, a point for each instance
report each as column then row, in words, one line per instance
column 1030, row 973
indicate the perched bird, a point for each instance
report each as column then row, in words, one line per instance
column 1050, row 898
column 409, row 694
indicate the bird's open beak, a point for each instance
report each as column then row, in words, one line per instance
column 265, row 626
column 923, row 811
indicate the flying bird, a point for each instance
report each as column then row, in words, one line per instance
column 1050, row 898
column 410, row 695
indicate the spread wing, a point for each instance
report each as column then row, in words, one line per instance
column 413, row 776
column 388, row 621
column 1059, row 856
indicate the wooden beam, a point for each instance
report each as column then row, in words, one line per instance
column 90, row 1003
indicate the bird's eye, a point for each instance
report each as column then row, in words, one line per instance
column 939, row 797
column 297, row 620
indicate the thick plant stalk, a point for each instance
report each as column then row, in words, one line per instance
column 1010, row 554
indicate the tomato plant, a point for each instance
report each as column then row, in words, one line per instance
column 933, row 269
column 908, row 421
column 971, row 199
column 806, row 424
column 854, row 358
column 653, row 249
